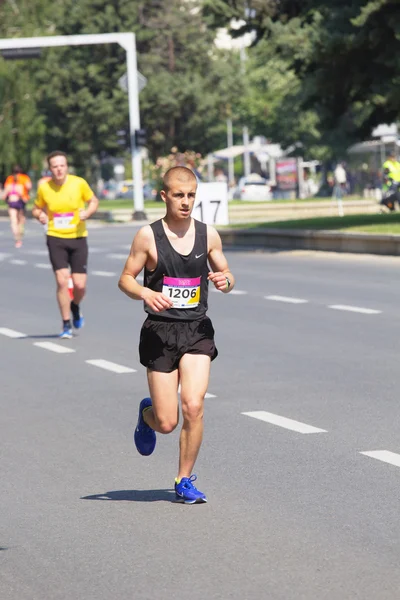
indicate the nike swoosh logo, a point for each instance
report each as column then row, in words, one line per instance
column 198, row 255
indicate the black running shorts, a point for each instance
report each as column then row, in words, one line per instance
column 163, row 342
column 66, row 253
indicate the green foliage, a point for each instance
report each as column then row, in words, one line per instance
column 343, row 57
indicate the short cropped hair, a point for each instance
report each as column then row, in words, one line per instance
column 54, row 154
column 182, row 174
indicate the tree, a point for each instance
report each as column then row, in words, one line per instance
column 344, row 55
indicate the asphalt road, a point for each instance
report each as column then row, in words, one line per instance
column 308, row 345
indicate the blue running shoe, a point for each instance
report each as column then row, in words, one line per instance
column 78, row 323
column 66, row 333
column 145, row 436
column 187, row 493
column 77, row 319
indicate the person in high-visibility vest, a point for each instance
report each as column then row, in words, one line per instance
column 391, row 170
column 391, row 182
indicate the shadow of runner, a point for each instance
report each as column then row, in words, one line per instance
column 164, row 495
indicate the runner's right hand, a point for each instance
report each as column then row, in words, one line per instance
column 43, row 218
column 157, row 301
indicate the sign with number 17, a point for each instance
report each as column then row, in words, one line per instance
column 211, row 205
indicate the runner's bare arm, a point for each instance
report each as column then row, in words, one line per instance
column 135, row 263
column 92, row 206
column 221, row 273
column 39, row 213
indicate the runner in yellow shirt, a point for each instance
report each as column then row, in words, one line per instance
column 63, row 204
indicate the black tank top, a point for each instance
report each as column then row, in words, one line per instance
column 181, row 278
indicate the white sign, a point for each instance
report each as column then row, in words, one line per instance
column 211, row 204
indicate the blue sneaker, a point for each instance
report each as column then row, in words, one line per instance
column 78, row 323
column 77, row 320
column 66, row 333
column 145, row 436
column 187, row 493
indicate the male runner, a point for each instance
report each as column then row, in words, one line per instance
column 177, row 338
column 61, row 204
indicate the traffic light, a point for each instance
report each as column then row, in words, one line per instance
column 140, row 138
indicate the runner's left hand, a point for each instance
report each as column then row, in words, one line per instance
column 218, row 279
column 83, row 214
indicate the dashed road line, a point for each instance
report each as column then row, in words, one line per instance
column 268, row 417
column 288, row 299
column 109, row 366
column 103, row 273
column 54, row 347
column 235, row 292
column 118, row 256
column 42, row 265
column 206, row 395
column 18, row 261
column 356, row 309
column 11, row 333
column 385, row 456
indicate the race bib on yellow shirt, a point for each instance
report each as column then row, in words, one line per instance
column 184, row 293
column 63, row 220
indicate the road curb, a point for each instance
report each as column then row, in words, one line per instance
column 307, row 239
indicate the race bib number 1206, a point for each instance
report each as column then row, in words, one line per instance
column 184, row 293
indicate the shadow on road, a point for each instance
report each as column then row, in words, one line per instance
column 136, row 496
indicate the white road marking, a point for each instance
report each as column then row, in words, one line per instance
column 38, row 252
column 18, row 261
column 357, row 309
column 11, row 333
column 118, row 256
column 109, row 366
column 268, row 417
column 4, row 255
column 103, row 273
column 238, row 292
column 54, row 347
column 385, row 456
column 42, row 266
column 207, row 395
column 288, row 299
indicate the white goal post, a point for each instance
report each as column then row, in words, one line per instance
column 128, row 42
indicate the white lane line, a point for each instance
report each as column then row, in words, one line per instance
column 268, row 417
column 42, row 266
column 38, row 252
column 385, row 456
column 11, row 333
column 103, row 273
column 4, row 255
column 109, row 366
column 18, row 261
column 54, row 347
column 288, row 299
column 357, row 309
column 118, row 256
column 207, row 395
column 238, row 292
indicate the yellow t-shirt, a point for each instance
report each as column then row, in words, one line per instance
column 62, row 204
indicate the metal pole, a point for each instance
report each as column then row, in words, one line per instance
column 210, row 168
column 231, row 171
column 134, row 123
column 246, row 162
